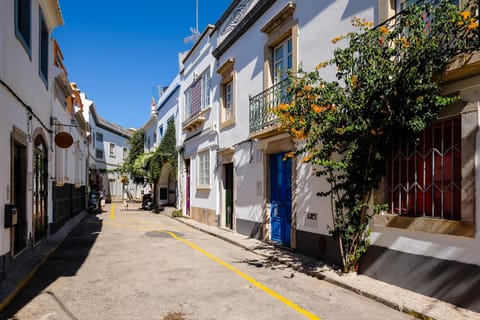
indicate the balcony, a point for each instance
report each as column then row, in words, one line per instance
column 194, row 120
column 262, row 117
column 460, row 67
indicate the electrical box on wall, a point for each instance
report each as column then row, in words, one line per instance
column 10, row 215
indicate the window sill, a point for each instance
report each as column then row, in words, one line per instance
column 428, row 225
column 227, row 123
column 203, row 187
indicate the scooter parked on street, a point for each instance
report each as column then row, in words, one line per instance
column 147, row 201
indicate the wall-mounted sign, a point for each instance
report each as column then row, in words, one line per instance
column 63, row 139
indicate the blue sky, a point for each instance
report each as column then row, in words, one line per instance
column 117, row 50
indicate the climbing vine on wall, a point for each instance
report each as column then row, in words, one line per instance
column 165, row 153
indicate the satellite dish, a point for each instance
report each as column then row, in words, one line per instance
column 63, row 139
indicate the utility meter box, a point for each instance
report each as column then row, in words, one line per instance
column 10, row 215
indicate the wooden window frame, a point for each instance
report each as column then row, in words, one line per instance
column 23, row 12
column 227, row 72
column 203, row 170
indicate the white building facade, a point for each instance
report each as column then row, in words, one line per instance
column 108, row 148
column 167, row 115
column 235, row 173
column 40, row 123
column 199, row 131
column 252, row 189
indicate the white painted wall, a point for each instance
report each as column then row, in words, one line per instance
column 321, row 21
column 200, row 61
column 20, row 71
column 167, row 108
column 69, row 154
column 149, row 129
column 15, row 116
column 4, row 24
column 248, row 172
column 308, row 202
column 315, row 21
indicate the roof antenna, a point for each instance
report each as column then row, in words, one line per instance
column 195, row 34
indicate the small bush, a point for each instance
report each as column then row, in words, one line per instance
column 177, row 213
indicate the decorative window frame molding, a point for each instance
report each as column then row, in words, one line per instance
column 228, row 74
column 281, row 27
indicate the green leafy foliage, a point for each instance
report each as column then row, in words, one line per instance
column 388, row 87
column 166, row 152
column 132, row 165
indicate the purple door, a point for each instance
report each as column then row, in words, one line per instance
column 187, row 188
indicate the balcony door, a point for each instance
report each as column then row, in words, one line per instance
column 282, row 60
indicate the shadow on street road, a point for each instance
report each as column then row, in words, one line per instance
column 65, row 262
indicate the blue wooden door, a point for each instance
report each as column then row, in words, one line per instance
column 280, row 198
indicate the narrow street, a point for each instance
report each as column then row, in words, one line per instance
column 139, row 265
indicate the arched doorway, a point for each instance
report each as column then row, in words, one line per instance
column 40, row 189
column 167, row 186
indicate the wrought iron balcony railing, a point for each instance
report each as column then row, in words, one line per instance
column 469, row 5
column 262, row 105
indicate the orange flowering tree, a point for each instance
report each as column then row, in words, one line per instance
column 388, row 86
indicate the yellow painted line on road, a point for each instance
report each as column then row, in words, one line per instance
column 112, row 212
column 276, row 295
column 259, row 285
column 134, row 227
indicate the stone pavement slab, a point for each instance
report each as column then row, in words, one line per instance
column 412, row 303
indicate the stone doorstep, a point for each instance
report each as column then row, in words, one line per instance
column 409, row 302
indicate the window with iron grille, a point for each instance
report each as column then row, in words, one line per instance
column 99, row 154
column 402, row 4
column 197, row 97
column 424, row 177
